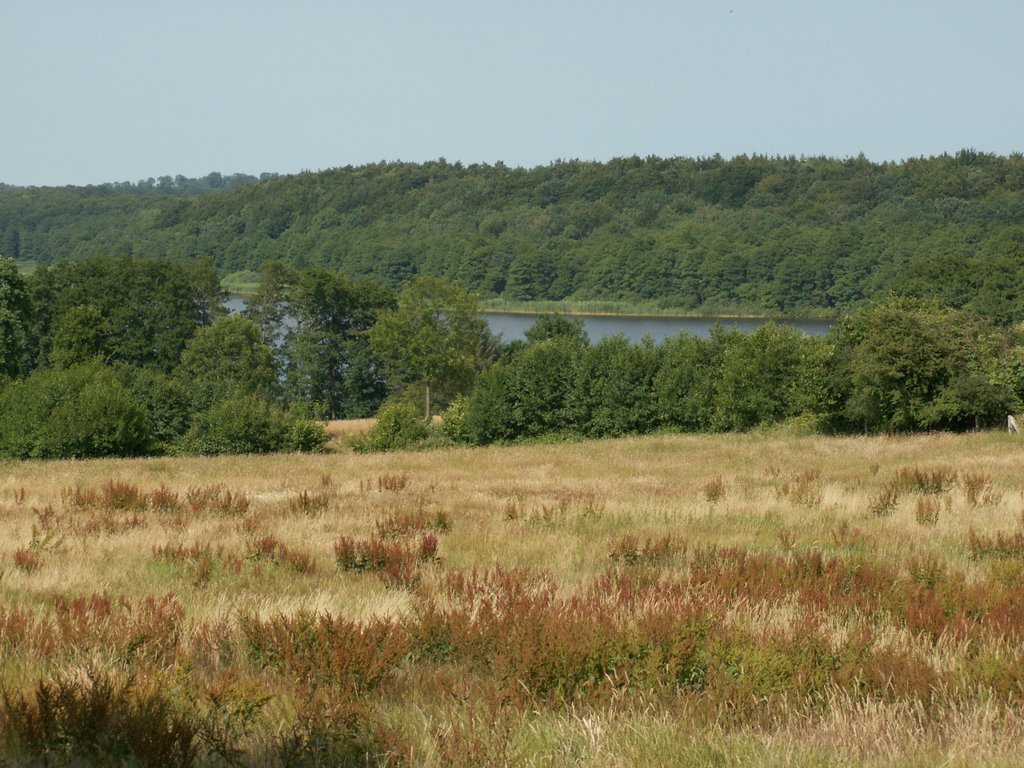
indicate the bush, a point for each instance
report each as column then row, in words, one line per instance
column 399, row 425
column 93, row 719
column 528, row 396
column 249, row 424
column 306, row 435
column 166, row 402
column 615, row 392
column 453, row 422
column 81, row 412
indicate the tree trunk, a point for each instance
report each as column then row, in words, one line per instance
column 426, row 386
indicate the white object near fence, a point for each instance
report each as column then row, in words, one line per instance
column 1011, row 425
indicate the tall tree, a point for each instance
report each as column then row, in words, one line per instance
column 150, row 307
column 327, row 349
column 15, row 317
column 269, row 306
column 227, row 359
column 435, row 336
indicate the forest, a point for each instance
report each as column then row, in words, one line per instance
column 777, row 236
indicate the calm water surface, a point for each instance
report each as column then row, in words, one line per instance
column 513, row 326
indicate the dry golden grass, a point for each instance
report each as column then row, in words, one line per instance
column 556, row 508
column 341, row 428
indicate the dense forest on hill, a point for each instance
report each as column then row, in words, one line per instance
column 756, row 234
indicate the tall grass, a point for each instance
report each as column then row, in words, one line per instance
column 680, row 599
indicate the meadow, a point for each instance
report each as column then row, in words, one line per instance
column 751, row 599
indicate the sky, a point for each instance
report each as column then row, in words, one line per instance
column 123, row 90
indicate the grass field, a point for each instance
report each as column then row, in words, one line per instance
column 669, row 600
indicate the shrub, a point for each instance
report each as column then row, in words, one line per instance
column 714, row 490
column 392, row 482
column 398, row 426
column 311, row 502
column 166, row 403
column 217, row 499
column 250, row 424
column 324, row 649
column 614, row 395
column 978, row 490
column 394, row 561
column 268, row 548
column 926, row 510
column 92, row 718
column 399, row 524
column 884, row 503
column 306, row 435
column 527, row 396
column 1000, row 545
column 453, row 421
column 80, row 412
column 630, row 550
column 924, row 481
column 27, row 560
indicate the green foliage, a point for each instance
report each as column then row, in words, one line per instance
column 910, row 364
column 94, row 719
column 453, row 421
column 269, row 306
column 224, row 359
column 15, row 318
column 149, row 308
column 552, row 326
column 399, row 425
column 166, row 401
column 530, row 395
column 305, row 435
column 328, row 358
column 79, row 412
column 434, row 336
column 783, row 234
column 685, row 385
column 759, row 378
column 80, row 335
column 245, row 423
column 614, row 394
column 899, row 365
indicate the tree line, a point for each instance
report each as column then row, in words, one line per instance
column 121, row 356
column 779, row 235
column 897, row 365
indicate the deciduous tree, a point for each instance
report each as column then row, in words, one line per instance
column 435, row 336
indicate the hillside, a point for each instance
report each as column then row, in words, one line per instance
column 752, row 234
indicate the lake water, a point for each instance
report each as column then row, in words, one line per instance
column 513, row 326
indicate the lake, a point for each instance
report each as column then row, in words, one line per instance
column 513, row 325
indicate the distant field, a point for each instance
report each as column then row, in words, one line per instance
column 670, row 600
column 342, row 428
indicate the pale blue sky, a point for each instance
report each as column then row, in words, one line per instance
column 115, row 90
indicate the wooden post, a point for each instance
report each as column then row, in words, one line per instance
column 1011, row 425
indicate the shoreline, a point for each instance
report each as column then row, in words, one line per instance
column 569, row 310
